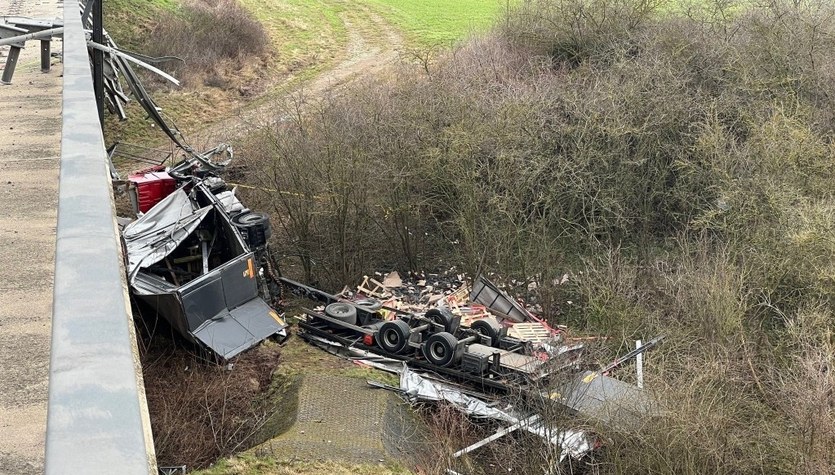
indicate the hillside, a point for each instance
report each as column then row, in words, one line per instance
column 675, row 163
column 240, row 54
column 651, row 167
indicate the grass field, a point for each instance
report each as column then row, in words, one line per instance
column 440, row 22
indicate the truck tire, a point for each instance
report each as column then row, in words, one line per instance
column 254, row 228
column 343, row 312
column 394, row 336
column 440, row 349
column 489, row 328
column 441, row 316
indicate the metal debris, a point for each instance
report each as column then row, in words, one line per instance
column 200, row 259
column 573, row 443
column 488, row 342
column 15, row 31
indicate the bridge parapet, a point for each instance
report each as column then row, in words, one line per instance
column 97, row 418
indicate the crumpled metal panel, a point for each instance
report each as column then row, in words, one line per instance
column 487, row 294
column 572, row 443
column 233, row 331
column 607, row 399
column 158, row 232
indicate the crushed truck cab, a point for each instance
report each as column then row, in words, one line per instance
column 200, row 259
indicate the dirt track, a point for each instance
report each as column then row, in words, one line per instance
column 369, row 51
column 30, row 141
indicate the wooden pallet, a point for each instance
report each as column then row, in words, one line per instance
column 530, row 331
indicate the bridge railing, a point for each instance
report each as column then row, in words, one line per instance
column 97, row 420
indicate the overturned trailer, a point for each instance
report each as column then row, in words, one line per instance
column 479, row 351
column 200, row 260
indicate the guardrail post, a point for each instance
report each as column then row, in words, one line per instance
column 45, row 52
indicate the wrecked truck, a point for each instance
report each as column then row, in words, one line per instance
column 195, row 254
column 200, row 259
column 499, row 347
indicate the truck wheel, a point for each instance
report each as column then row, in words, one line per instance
column 441, row 316
column 394, row 336
column 489, row 328
column 343, row 312
column 254, row 228
column 440, row 349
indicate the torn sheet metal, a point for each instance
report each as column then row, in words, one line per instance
column 415, row 387
column 158, row 232
column 211, row 285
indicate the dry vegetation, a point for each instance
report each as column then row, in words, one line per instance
column 201, row 411
column 677, row 163
column 214, row 39
column 217, row 49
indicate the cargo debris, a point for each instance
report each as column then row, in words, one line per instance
column 476, row 342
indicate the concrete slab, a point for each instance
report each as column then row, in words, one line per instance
column 339, row 418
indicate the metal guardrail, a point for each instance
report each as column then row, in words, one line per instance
column 97, row 420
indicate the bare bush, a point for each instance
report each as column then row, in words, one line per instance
column 676, row 164
column 200, row 411
column 208, row 35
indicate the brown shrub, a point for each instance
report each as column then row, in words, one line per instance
column 206, row 35
column 201, row 411
column 678, row 165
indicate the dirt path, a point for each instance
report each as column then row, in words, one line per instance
column 371, row 48
column 30, row 143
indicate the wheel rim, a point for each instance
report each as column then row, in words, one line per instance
column 391, row 338
column 438, row 351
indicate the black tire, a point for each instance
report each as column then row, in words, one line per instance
column 250, row 218
column 254, row 228
column 394, row 336
column 441, row 316
column 440, row 349
column 343, row 312
column 369, row 304
column 489, row 328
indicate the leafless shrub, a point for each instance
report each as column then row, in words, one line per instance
column 201, row 411
column 207, row 35
column 449, row 430
column 677, row 166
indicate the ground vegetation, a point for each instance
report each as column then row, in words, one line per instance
column 674, row 161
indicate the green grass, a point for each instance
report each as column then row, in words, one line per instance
column 128, row 21
column 441, row 22
column 303, row 33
